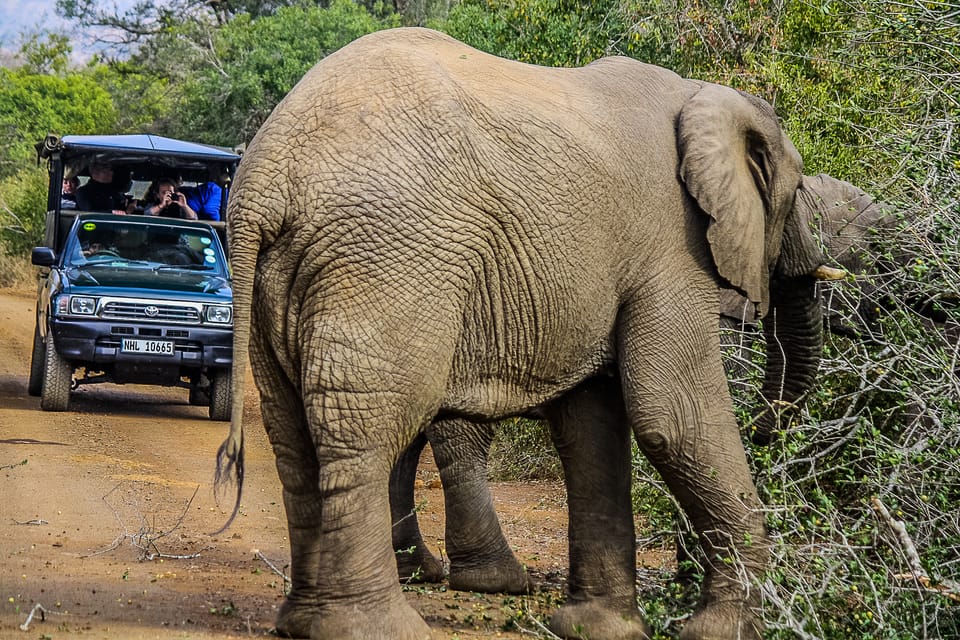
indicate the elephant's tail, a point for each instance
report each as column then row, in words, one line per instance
column 229, row 466
column 244, row 241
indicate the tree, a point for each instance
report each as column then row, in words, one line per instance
column 254, row 63
column 550, row 32
column 32, row 105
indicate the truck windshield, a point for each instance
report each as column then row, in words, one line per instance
column 116, row 243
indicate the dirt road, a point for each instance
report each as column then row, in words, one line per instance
column 105, row 512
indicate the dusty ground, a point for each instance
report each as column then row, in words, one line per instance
column 105, row 512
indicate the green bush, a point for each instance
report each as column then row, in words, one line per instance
column 23, row 206
column 522, row 450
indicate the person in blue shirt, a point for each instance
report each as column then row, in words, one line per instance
column 208, row 199
column 205, row 199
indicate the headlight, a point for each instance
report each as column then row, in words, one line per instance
column 83, row 305
column 219, row 314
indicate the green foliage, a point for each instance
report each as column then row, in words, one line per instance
column 46, row 54
column 559, row 33
column 23, row 206
column 256, row 62
column 522, row 450
column 32, row 105
column 142, row 101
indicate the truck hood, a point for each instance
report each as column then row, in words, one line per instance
column 147, row 282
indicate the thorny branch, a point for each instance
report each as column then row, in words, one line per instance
column 947, row 588
column 145, row 540
column 259, row 555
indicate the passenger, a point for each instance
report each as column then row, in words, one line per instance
column 97, row 241
column 99, row 193
column 68, row 193
column 164, row 199
column 205, row 199
column 208, row 198
column 167, row 246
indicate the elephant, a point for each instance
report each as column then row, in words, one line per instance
column 846, row 220
column 422, row 232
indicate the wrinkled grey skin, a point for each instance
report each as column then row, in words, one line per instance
column 846, row 220
column 422, row 232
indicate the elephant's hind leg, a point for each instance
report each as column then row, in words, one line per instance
column 415, row 563
column 592, row 436
column 365, row 402
column 480, row 557
column 296, row 460
column 357, row 586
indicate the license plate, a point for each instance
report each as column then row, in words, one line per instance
column 147, row 347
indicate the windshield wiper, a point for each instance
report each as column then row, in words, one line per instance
column 83, row 272
column 184, row 267
column 113, row 263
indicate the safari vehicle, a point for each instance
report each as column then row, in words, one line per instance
column 132, row 299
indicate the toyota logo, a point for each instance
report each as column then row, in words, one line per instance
column 151, row 311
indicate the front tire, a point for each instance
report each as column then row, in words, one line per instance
column 37, row 364
column 57, row 379
column 220, row 394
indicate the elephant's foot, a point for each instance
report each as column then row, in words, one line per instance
column 395, row 621
column 593, row 620
column 723, row 621
column 295, row 618
column 419, row 565
column 495, row 577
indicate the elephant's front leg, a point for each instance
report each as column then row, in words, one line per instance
column 415, row 563
column 480, row 557
column 713, row 487
column 592, row 436
column 677, row 400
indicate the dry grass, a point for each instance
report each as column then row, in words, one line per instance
column 16, row 272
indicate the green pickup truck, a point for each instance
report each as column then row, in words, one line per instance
column 129, row 298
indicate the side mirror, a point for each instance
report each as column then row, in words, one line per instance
column 43, row 256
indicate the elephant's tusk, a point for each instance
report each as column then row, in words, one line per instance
column 823, row 272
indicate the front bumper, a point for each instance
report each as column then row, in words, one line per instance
column 86, row 342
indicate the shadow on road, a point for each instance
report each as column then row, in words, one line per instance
column 119, row 400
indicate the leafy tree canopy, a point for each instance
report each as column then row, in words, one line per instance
column 32, row 105
column 254, row 63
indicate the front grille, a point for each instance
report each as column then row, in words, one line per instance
column 118, row 310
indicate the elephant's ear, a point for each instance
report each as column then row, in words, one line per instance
column 743, row 172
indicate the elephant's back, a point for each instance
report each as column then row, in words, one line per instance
column 412, row 72
column 414, row 123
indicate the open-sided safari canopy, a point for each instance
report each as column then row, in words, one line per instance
column 137, row 159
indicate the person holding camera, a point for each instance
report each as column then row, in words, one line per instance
column 164, row 199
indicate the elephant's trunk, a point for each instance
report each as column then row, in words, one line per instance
column 794, row 335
